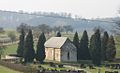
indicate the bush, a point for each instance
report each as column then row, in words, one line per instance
column 60, row 66
column 52, row 64
column 82, row 66
column 91, row 66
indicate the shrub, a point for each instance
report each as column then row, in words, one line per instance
column 83, row 66
column 52, row 64
column 60, row 66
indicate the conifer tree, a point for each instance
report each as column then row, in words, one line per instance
column 29, row 52
column 91, row 47
column 58, row 34
column 40, row 53
column 76, row 43
column 84, row 50
column 104, row 42
column 95, row 47
column 111, row 49
column 20, row 48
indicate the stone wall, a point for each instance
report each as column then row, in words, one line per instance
column 68, row 47
column 49, row 53
column 53, row 54
column 57, row 54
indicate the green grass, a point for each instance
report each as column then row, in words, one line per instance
column 7, row 70
column 118, row 46
column 102, row 70
column 11, row 49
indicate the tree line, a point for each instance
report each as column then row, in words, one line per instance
column 98, row 49
column 53, row 14
column 45, row 28
column 26, row 50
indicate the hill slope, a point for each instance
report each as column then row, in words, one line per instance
column 13, row 19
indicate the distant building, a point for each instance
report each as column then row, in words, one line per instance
column 60, row 49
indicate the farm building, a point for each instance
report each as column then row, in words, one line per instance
column 60, row 49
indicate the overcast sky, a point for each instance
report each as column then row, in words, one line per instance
column 84, row 8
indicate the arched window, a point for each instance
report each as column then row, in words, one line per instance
column 68, row 55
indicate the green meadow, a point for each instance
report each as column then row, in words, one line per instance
column 7, row 70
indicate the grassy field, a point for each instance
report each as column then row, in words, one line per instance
column 102, row 70
column 11, row 49
column 7, row 70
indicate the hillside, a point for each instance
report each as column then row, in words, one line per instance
column 10, row 19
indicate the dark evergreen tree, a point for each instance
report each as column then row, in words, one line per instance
column 84, row 51
column 58, row 34
column 95, row 47
column 20, row 48
column 111, row 49
column 40, row 53
column 91, row 47
column 104, row 42
column 76, row 43
column 29, row 52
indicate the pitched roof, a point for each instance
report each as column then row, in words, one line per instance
column 55, row 42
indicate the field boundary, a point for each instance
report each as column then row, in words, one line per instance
column 16, row 67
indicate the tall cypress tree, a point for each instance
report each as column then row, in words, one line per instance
column 76, row 43
column 20, row 48
column 58, row 34
column 111, row 49
column 40, row 53
column 95, row 47
column 29, row 52
column 84, row 51
column 104, row 42
column 91, row 47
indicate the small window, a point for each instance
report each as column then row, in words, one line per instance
column 68, row 55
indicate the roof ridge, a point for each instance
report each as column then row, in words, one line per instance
column 55, row 42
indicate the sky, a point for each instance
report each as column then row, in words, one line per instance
column 83, row 8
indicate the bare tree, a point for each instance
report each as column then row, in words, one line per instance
column 68, row 28
column 44, row 28
column 100, row 28
column 12, row 36
column 24, row 26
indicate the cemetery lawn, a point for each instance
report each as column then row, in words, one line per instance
column 47, row 66
column 7, row 70
column 102, row 70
